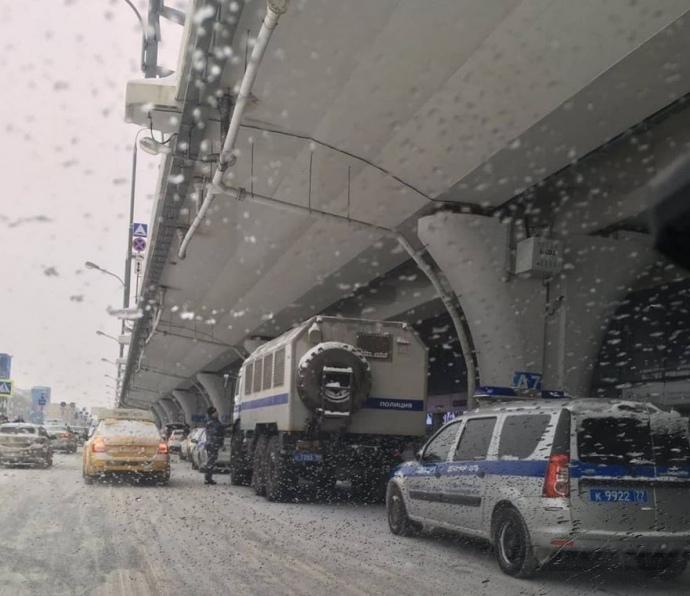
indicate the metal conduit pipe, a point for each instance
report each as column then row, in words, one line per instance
column 445, row 296
column 274, row 9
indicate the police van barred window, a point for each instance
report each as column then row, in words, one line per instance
column 521, row 435
column 257, row 375
column 475, row 440
column 268, row 371
column 248, row 373
column 279, row 368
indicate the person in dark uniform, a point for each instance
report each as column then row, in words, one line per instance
column 215, row 433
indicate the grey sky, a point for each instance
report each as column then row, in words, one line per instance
column 66, row 158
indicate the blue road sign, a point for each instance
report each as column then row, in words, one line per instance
column 42, row 401
column 5, row 388
column 527, row 380
column 140, row 229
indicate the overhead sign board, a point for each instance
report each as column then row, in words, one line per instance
column 5, row 388
column 140, row 230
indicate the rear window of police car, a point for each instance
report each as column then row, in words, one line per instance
column 623, row 440
column 521, row 435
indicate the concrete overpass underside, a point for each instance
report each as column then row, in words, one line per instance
column 467, row 125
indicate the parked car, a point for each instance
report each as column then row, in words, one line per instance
column 168, row 429
column 175, row 440
column 62, row 438
column 200, row 456
column 126, row 446
column 81, row 432
column 188, row 442
column 536, row 479
column 23, row 443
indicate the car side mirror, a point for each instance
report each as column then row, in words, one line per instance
column 419, row 454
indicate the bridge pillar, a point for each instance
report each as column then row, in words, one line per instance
column 192, row 404
column 160, row 413
column 172, row 409
column 221, row 397
column 551, row 327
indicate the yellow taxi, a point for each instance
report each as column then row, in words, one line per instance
column 126, row 442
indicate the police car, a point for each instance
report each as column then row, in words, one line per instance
column 539, row 477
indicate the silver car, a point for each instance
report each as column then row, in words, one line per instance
column 22, row 443
column 542, row 477
column 189, row 442
column 61, row 438
column 200, row 455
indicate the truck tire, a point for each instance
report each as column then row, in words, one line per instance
column 368, row 488
column 240, row 473
column 339, row 355
column 259, row 466
column 279, row 479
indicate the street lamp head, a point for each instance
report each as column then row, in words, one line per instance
column 154, row 147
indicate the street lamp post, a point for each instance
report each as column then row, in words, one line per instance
column 91, row 265
column 104, row 334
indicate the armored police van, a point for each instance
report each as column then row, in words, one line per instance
column 331, row 399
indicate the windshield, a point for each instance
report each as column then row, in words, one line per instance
column 289, row 286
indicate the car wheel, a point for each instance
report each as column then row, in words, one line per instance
column 259, row 466
column 278, row 476
column 663, row 566
column 398, row 521
column 48, row 462
column 512, row 544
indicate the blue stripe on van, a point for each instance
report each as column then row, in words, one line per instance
column 389, row 403
column 376, row 403
column 537, row 469
column 264, row 402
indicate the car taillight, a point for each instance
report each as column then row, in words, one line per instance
column 557, row 478
column 65, row 435
column 162, row 448
column 98, row 446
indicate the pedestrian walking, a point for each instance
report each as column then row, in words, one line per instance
column 215, row 434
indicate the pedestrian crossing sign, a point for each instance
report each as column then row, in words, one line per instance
column 140, row 229
column 5, row 388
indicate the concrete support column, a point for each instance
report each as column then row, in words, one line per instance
column 550, row 326
column 504, row 314
column 220, row 396
column 172, row 410
column 160, row 413
column 598, row 273
column 193, row 405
